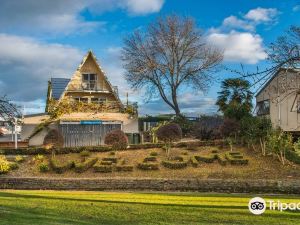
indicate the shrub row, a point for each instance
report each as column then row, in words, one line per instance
column 174, row 164
column 222, row 160
column 60, row 167
column 148, row 166
column 84, row 166
column 98, row 167
column 207, row 159
column 236, row 158
column 66, row 150
column 194, row 161
column 124, row 168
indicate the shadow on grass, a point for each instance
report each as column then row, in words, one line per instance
column 14, row 195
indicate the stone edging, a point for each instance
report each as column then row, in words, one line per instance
column 138, row 184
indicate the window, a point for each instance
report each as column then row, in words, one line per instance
column 263, row 108
column 98, row 100
column 89, row 81
column 298, row 107
column 78, row 99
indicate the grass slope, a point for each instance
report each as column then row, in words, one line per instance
column 65, row 207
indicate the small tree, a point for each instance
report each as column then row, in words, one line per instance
column 254, row 130
column 229, row 130
column 278, row 142
column 235, row 98
column 168, row 134
column 117, row 139
column 54, row 139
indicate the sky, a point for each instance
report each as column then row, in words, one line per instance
column 44, row 39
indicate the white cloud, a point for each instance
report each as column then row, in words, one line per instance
column 64, row 16
column 239, row 46
column 296, row 8
column 234, row 22
column 26, row 64
column 262, row 14
column 142, row 7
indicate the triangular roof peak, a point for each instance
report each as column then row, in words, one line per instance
column 88, row 55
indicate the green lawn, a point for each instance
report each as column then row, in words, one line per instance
column 66, row 207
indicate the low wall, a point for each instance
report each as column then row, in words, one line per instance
column 200, row 185
column 11, row 144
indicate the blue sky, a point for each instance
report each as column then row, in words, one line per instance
column 43, row 39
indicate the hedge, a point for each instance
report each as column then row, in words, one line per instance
column 148, row 166
column 208, row 159
column 98, row 167
column 150, row 159
column 194, row 161
column 292, row 156
column 83, row 166
column 59, row 167
column 236, row 158
column 124, row 168
column 112, row 159
column 174, row 164
column 222, row 160
column 105, row 148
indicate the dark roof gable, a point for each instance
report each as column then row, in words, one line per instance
column 58, row 86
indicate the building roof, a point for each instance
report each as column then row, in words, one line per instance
column 274, row 75
column 58, row 86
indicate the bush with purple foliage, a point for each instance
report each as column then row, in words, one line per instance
column 117, row 139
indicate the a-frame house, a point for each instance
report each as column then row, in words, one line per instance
column 101, row 108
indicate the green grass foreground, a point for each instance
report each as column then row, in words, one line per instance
column 78, row 207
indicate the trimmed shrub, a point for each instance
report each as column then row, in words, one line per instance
column 222, row 160
column 88, row 163
column 150, row 159
column 236, row 158
column 85, row 153
column 184, row 153
column 44, row 167
column 148, row 166
column 174, row 165
column 169, row 133
column 106, row 162
column 214, row 151
column 153, row 153
column 98, row 167
column 194, row 161
column 60, row 167
column 176, row 162
column 112, row 153
column 207, row 159
column 117, row 139
column 4, row 165
column 124, row 168
column 54, row 139
column 112, row 159
column 19, row 159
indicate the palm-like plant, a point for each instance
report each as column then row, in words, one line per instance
column 235, row 98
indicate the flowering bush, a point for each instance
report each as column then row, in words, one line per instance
column 4, row 165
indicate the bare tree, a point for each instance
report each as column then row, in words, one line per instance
column 170, row 54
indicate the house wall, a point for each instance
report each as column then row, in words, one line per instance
column 282, row 94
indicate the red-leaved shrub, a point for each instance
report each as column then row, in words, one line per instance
column 117, row 139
